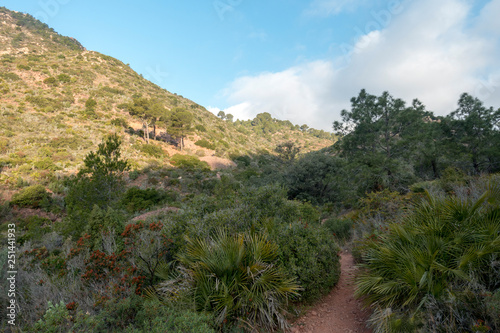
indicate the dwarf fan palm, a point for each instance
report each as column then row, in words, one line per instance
column 442, row 243
column 236, row 278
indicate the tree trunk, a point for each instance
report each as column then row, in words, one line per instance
column 154, row 131
column 147, row 132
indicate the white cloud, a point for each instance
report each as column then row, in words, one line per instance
column 430, row 50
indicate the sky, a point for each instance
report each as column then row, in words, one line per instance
column 300, row 60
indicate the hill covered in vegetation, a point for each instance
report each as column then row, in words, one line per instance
column 59, row 100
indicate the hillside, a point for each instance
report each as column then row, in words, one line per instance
column 58, row 100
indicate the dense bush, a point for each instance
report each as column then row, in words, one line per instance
column 318, row 178
column 341, row 228
column 136, row 199
column 310, row 254
column 205, row 144
column 189, row 163
column 32, row 196
column 51, row 81
column 34, row 227
column 152, row 150
column 65, row 78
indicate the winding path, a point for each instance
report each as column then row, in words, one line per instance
column 339, row 312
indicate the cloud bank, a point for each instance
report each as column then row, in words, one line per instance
column 429, row 50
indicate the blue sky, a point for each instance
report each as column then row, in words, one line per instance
column 298, row 60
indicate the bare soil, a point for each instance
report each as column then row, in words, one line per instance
column 339, row 312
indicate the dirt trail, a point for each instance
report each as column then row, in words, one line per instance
column 339, row 312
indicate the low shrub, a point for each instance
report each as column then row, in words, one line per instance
column 34, row 227
column 189, row 163
column 51, row 81
column 136, row 199
column 205, row 144
column 120, row 122
column 31, row 196
column 152, row 150
column 64, row 78
column 341, row 228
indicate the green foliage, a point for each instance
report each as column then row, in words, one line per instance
column 34, row 227
column 133, row 175
column 200, row 128
column 136, row 199
column 32, row 196
column 90, row 104
column 106, row 160
column 474, row 128
column 379, row 132
column 427, row 264
column 45, row 164
column 341, row 228
column 156, row 317
column 51, row 81
column 318, row 178
column 119, row 122
column 205, row 144
column 152, row 150
column 189, row 163
column 99, row 183
column 287, row 150
column 237, row 279
column 55, row 320
column 64, row 78
column 23, row 67
column 100, row 222
column 8, row 76
column 309, row 253
column 180, row 124
column 45, row 104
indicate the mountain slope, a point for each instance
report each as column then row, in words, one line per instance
column 58, row 100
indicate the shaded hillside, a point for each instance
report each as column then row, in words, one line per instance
column 58, row 100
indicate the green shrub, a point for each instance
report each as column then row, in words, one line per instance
column 189, row 163
column 23, row 67
column 90, row 104
column 136, row 199
column 34, row 227
column 341, row 228
column 119, row 122
column 156, row 317
column 56, row 319
column 309, row 254
column 133, row 175
column 64, row 78
column 200, row 128
column 51, row 81
column 8, row 76
column 32, row 196
column 152, row 150
column 205, row 144
column 45, row 164
column 110, row 222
